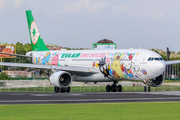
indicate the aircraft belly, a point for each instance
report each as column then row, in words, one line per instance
column 93, row 78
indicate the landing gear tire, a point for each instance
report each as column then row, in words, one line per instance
column 56, row 89
column 119, row 88
column 67, row 89
column 108, row 88
column 144, row 88
column 61, row 90
column 113, row 88
column 149, row 89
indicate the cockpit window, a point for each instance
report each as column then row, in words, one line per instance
column 155, row 59
column 149, row 59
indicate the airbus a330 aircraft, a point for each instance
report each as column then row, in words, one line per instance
column 64, row 66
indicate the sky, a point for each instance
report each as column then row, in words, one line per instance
column 134, row 24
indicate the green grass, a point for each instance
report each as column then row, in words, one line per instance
column 171, row 81
column 107, row 111
column 92, row 89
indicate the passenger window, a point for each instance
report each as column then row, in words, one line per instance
column 161, row 59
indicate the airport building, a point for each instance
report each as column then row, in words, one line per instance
column 104, row 44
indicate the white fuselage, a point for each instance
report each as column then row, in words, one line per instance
column 132, row 64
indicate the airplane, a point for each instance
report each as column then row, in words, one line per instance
column 65, row 66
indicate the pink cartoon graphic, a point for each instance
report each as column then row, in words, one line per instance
column 55, row 59
column 131, row 71
column 107, row 61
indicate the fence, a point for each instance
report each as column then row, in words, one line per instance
column 91, row 89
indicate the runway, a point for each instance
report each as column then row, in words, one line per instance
column 103, row 97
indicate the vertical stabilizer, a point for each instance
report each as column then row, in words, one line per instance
column 37, row 42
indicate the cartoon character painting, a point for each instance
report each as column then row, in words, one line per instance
column 94, row 64
column 45, row 60
column 104, row 68
column 54, row 59
column 116, row 67
column 120, row 66
column 144, row 72
column 36, row 60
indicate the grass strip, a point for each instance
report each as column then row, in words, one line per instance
column 102, row 111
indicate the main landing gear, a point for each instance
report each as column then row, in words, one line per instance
column 114, row 87
column 61, row 90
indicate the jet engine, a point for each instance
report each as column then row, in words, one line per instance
column 61, row 79
column 156, row 82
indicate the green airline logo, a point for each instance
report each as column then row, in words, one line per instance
column 71, row 55
column 34, row 31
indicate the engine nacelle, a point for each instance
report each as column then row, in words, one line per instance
column 157, row 81
column 61, row 79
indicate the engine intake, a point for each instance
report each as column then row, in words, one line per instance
column 61, row 79
column 157, row 81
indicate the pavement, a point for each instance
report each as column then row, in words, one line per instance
column 100, row 97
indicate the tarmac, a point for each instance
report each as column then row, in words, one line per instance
column 100, row 97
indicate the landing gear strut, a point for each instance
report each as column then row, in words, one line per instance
column 114, row 87
column 144, row 88
column 147, row 82
column 149, row 88
column 61, row 90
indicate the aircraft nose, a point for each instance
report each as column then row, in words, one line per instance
column 160, row 68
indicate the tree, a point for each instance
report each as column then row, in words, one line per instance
column 105, row 41
column 4, row 76
column 20, row 49
column 178, row 52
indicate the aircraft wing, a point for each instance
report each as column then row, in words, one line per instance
column 172, row 62
column 84, row 71
column 16, row 55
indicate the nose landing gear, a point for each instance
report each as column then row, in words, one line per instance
column 114, row 87
column 149, row 88
column 148, row 83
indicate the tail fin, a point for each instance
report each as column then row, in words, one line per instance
column 37, row 43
